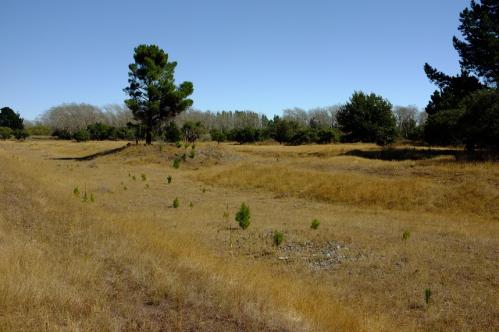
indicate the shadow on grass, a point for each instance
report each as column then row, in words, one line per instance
column 419, row 154
column 95, row 155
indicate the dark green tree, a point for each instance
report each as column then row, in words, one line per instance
column 453, row 116
column 172, row 133
column 154, row 96
column 367, row 118
column 480, row 122
column 479, row 51
column 218, row 135
column 191, row 131
column 10, row 119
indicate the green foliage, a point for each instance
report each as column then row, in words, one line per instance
column 169, row 179
column 176, row 162
column 76, row 192
column 191, row 131
column 427, row 295
column 82, row 135
column 100, row 131
column 479, row 51
column 243, row 216
column 327, row 136
column 442, row 128
column 218, row 135
column 92, row 197
column 62, row 134
column 21, row 134
column 5, row 133
column 315, row 224
column 480, row 122
column 406, row 235
column 172, row 133
column 367, row 118
column 178, row 144
column 192, row 154
column 464, row 108
column 282, row 130
column 176, row 203
column 10, row 119
column 277, row 238
column 154, row 96
column 191, row 205
column 39, row 130
column 143, row 176
column 244, row 135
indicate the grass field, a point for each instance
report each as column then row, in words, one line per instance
column 97, row 245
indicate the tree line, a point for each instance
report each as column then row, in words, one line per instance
column 464, row 110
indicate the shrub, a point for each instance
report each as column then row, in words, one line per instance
column 143, row 176
column 218, row 135
column 169, row 179
column 367, row 118
column 245, row 135
column 76, row 192
column 100, row 131
column 172, row 133
column 62, row 134
column 315, row 224
column 427, row 295
column 178, row 144
column 192, row 154
column 191, row 204
column 38, row 130
column 327, row 136
column 406, row 235
column 243, row 216
column 5, row 132
column 176, row 203
column 81, row 135
column 176, row 163
column 21, row 134
column 92, row 197
column 278, row 237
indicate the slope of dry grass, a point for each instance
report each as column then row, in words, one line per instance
column 404, row 193
column 129, row 261
column 67, row 265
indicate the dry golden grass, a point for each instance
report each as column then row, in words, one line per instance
column 395, row 192
column 128, row 261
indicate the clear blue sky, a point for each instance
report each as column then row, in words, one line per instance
column 261, row 55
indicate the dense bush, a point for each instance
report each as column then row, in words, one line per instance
column 480, row 121
column 218, row 135
column 10, row 119
column 171, row 132
column 5, row 132
column 82, row 135
column 62, row 134
column 244, row 135
column 100, row 131
column 367, row 118
column 21, row 134
column 38, row 130
column 243, row 216
column 442, row 127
